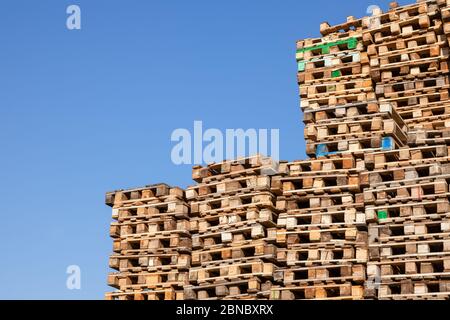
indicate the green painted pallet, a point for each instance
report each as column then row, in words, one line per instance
column 325, row 47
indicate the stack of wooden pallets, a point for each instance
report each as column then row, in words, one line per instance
column 322, row 226
column 152, row 243
column 406, row 201
column 407, row 208
column 365, row 126
column 341, row 113
column 334, row 70
column 408, row 52
column 234, row 219
column 366, row 217
column 400, row 188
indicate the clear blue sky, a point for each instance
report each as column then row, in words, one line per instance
column 84, row 112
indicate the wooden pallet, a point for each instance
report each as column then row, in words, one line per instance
column 219, row 290
column 411, row 55
column 230, row 186
column 362, row 142
column 389, row 27
column 401, row 212
column 416, row 268
column 155, row 280
column 168, row 240
column 240, row 201
column 320, row 184
column 237, row 233
column 150, row 261
column 350, row 27
column 408, row 88
column 343, row 128
column 410, row 232
column 152, row 192
column 309, row 49
column 333, row 60
column 362, row 97
column 386, row 250
column 229, row 271
column 336, row 254
column 314, row 92
column 298, row 204
column 419, row 102
column 331, row 164
column 260, row 249
column 256, row 165
column 334, row 75
column 407, row 174
column 430, row 137
column 163, row 294
column 393, row 32
column 397, row 12
column 152, row 227
column 435, row 122
column 346, row 291
column 319, row 235
column 227, row 220
column 414, row 290
column 420, row 40
column 160, row 210
column 404, row 100
column 417, row 189
column 357, row 95
column 346, row 217
column 326, row 274
column 406, row 156
column 429, row 113
column 410, row 68
column 350, row 111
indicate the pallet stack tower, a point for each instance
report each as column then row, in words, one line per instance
column 406, row 202
column 152, row 243
column 366, row 217
column 341, row 112
column 408, row 54
column 234, row 219
column 322, row 226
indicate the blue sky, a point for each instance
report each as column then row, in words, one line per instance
column 87, row 111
